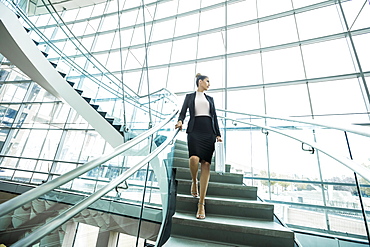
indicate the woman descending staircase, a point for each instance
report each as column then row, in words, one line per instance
column 234, row 217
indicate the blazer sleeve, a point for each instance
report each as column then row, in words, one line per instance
column 217, row 129
column 218, row 133
column 184, row 108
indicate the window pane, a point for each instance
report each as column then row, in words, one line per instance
column 211, row 45
column 299, row 4
column 362, row 48
column 357, row 17
column 163, row 30
column 318, row 23
column 288, row 101
column 26, row 164
column 187, row 24
column 166, row 9
column 104, row 42
column 278, row 31
column 244, row 70
column 34, row 144
column 72, row 147
column 242, row 38
column 18, row 142
column 179, row 53
column 50, row 146
column 267, row 7
column 22, row 176
column 282, row 65
column 182, row 78
column 251, row 100
column 158, row 79
column 333, row 98
column 159, row 54
column 327, row 58
column 186, row 5
column 212, row 18
column 241, row 11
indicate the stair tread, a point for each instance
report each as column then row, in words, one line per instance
column 180, row 241
column 186, row 159
column 223, row 185
column 181, row 169
column 219, row 200
column 250, row 225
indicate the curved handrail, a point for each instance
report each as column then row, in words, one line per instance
column 349, row 130
column 70, row 213
column 365, row 173
column 30, row 195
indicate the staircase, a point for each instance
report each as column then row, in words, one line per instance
column 234, row 216
column 18, row 47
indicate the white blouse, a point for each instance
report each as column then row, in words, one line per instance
column 201, row 104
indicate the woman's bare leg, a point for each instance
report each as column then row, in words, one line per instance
column 204, row 179
column 193, row 165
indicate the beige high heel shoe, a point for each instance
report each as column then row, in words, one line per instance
column 194, row 193
column 201, row 216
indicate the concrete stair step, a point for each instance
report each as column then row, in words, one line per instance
column 233, row 178
column 221, row 189
column 185, row 155
column 184, row 162
column 180, row 143
column 232, row 230
column 181, row 147
column 180, row 241
column 228, row 207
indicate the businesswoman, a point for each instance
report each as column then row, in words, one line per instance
column 202, row 132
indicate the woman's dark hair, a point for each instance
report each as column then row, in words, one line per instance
column 199, row 76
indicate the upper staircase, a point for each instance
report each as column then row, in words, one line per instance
column 18, row 47
column 234, row 216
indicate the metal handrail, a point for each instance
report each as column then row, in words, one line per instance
column 364, row 172
column 70, row 213
column 349, row 130
column 30, row 195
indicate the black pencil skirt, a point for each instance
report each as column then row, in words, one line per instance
column 201, row 141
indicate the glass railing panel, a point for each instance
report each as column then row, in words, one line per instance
column 347, row 221
column 358, row 147
column 292, row 216
column 147, row 186
column 310, row 189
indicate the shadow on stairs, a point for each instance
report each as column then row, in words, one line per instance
column 234, row 216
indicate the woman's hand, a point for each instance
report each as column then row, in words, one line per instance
column 218, row 139
column 178, row 125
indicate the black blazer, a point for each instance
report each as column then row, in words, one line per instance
column 189, row 104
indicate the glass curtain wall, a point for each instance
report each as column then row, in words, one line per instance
column 41, row 136
column 303, row 59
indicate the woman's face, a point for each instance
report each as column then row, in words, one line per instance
column 204, row 84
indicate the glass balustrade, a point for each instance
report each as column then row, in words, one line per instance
column 310, row 190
